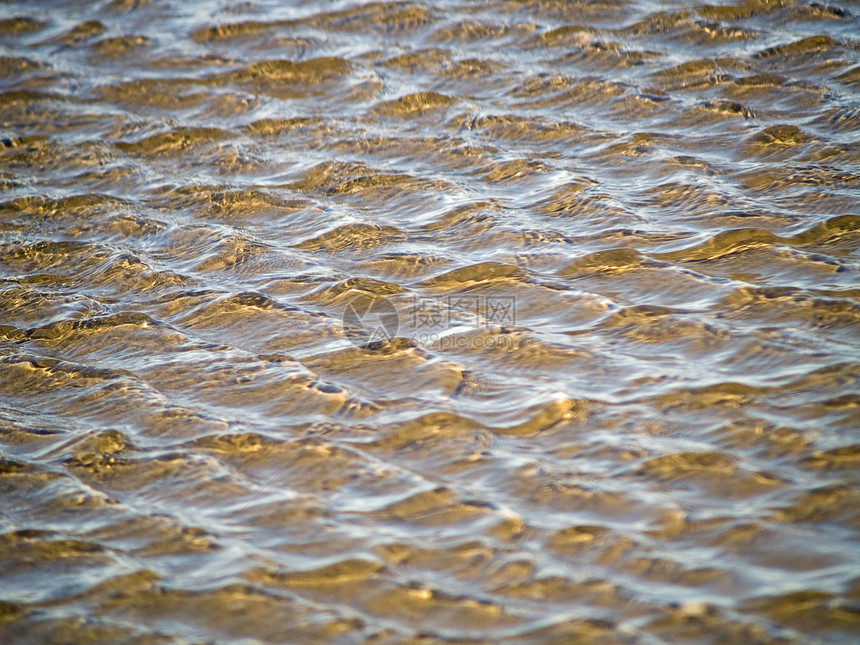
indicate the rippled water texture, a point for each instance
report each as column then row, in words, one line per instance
column 612, row 248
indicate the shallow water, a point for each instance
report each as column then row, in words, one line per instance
column 441, row 322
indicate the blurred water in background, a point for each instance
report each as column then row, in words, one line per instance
column 463, row 321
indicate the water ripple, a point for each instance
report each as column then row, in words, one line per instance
column 389, row 322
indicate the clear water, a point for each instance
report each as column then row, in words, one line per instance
column 441, row 322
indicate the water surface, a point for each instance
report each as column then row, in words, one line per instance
column 429, row 322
